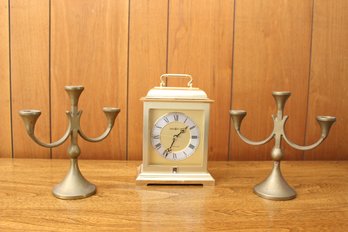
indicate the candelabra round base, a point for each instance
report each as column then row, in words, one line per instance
column 74, row 185
column 60, row 192
column 274, row 195
column 275, row 187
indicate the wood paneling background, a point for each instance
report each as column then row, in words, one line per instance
column 271, row 53
column 30, row 80
column 238, row 51
column 98, row 62
column 5, row 96
column 328, row 89
column 147, row 48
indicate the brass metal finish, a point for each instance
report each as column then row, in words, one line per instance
column 174, row 177
column 163, row 82
column 195, row 104
column 275, row 187
column 74, row 185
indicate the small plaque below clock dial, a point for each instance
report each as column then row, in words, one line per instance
column 175, row 136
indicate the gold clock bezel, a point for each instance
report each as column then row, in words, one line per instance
column 201, row 108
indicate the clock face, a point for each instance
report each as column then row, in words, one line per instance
column 175, row 136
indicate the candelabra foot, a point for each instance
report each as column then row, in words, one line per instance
column 275, row 187
column 74, row 185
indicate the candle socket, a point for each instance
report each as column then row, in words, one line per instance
column 275, row 187
column 74, row 185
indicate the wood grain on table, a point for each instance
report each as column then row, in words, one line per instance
column 26, row 202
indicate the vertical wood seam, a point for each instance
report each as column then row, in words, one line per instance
column 167, row 48
column 309, row 79
column 127, row 82
column 10, row 75
column 229, row 155
column 49, row 73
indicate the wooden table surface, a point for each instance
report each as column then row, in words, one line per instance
column 26, row 202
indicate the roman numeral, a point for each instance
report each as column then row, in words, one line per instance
column 194, row 137
column 156, row 137
column 176, row 117
column 191, row 146
column 185, row 153
column 174, row 156
column 158, row 127
column 158, row 146
column 166, row 119
column 185, row 120
column 192, row 127
column 166, row 153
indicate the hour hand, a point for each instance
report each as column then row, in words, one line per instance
column 182, row 130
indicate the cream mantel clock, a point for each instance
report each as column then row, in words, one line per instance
column 175, row 135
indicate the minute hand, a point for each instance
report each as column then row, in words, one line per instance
column 169, row 149
column 175, row 137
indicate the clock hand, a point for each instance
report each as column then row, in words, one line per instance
column 169, row 149
column 166, row 152
column 182, row 130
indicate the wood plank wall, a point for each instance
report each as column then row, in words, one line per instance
column 5, row 95
column 271, row 53
column 238, row 51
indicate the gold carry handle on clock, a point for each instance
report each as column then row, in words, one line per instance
column 163, row 82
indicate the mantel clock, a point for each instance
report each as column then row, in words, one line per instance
column 175, row 135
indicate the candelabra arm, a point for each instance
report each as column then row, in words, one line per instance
column 246, row 140
column 304, row 148
column 99, row 138
column 111, row 114
column 54, row 144
column 325, row 123
column 30, row 117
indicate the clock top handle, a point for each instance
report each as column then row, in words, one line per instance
column 163, row 83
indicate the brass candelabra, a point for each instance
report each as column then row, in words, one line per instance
column 74, row 185
column 274, row 187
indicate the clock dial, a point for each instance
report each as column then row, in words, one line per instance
column 175, row 136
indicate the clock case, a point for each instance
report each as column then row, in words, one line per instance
column 175, row 99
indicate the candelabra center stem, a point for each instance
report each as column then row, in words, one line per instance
column 74, row 109
column 74, row 149
column 277, row 141
column 281, row 97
